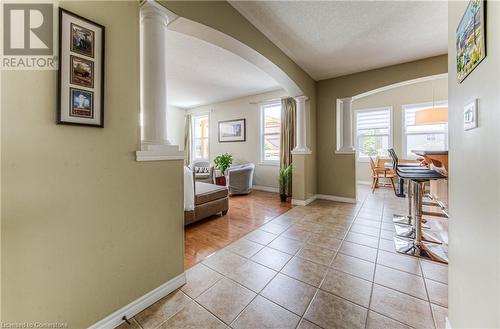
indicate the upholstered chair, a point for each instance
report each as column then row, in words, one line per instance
column 240, row 179
column 203, row 171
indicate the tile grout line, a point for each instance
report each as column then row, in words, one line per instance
column 374, row 271
column 427, row 293
column 328, row 270
column 352, row 221
column 258, row 294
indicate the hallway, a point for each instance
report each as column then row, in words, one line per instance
column 326, row 265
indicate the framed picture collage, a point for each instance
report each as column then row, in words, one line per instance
column 81, row 71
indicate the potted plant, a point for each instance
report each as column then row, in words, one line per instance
column 285, row 176
column 222, row 162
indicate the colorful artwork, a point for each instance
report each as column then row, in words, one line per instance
column 82, row 40
column 82, row 72
column 471, row 49
column 82, row 103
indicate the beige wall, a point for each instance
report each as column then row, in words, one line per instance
column 85, row 228
column 243, row 152
column 221, row 16
column 416, row 93
column 474, row 230
column 336, row 173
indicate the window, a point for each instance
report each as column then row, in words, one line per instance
column 200, row 136
column 373, row 132
column 422, row 137
column 270, row 131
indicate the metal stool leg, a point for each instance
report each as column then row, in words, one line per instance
column 401, row 219
column 407, row 245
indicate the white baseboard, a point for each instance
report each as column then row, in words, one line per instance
column 141, row 303
column 265, row 188
column 364, row 182
column 335, row 198
column 297, row 202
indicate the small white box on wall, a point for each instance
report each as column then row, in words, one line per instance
column 470, row 115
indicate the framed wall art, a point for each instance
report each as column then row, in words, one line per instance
column 232, row 131
column 81, row 71
column 471, row 41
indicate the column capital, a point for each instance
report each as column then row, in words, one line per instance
column 301, row 99
column 151, row 9
column 346, row 99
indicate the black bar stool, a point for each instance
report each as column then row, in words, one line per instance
column 411, row 239
column 402, row 219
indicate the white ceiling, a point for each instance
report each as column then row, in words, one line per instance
column 334, row 38
column 199, row 73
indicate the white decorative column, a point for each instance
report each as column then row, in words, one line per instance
column 154, row 19
column 344, row 126
column 301, row 130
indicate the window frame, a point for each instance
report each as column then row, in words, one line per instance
column 194, row 116
column 390, row 130
column 263, row 106
column 405, row 134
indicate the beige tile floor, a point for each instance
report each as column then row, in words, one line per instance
column 326, row 265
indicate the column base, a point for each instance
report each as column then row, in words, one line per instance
column 159, row 153
column 346, row 150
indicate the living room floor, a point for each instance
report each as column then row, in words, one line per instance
column 246, row 213
column 325, row 265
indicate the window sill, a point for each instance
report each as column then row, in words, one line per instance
column 272, row 164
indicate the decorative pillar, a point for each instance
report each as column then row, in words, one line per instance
column 301, row 130
column 344, row 126
column 154, row 19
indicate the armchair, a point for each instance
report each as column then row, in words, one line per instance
column 240, row 179
column 203, row 171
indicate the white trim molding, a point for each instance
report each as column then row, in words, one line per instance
column 301, row 127
column 344, row 126
column 155, row 145
column 297, row 202
column 364, row 182
column 265, row 188
column 116, row 318
column 335, row 198
column 159, row 153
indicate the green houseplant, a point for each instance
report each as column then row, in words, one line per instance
column 222, row 162
column 284, row 178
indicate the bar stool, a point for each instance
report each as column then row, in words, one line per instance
column 414, row 240
column 402, row 219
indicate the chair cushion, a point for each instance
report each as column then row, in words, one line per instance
column 209, row 192
column 202, row 170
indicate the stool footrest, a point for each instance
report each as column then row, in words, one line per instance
column 425, row 250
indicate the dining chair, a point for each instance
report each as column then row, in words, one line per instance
column 381, row 173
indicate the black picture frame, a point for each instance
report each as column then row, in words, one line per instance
column 234, row 139
column 64, row 88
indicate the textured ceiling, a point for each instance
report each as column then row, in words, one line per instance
column 200, row 73
column 334, row 38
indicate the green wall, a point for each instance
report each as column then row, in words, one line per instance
column 85, row 228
